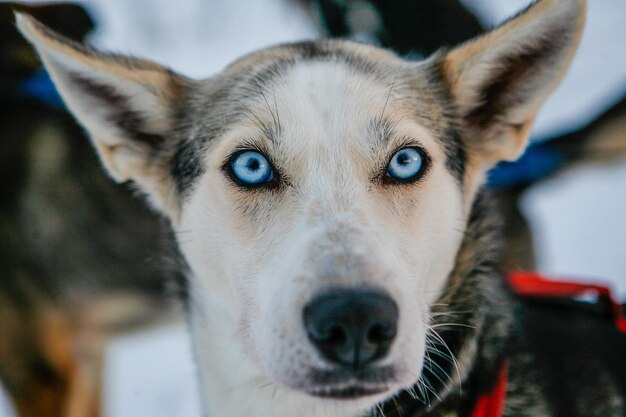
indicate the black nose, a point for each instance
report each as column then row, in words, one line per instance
column 350, row 327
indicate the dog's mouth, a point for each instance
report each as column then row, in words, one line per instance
column 380, row 375
column 344, row 384
column 348, row 392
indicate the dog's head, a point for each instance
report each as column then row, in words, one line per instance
column 319, row 192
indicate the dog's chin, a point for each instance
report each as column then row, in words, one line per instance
column 352, row 399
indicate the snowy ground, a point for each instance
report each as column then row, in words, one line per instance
column 579, row 217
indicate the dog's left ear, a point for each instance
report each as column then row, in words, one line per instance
column 128, row 106
column 499, row 80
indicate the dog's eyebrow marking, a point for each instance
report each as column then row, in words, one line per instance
column 270, row 131
column 277, row 128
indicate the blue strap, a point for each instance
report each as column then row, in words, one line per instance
column 40, row 87
column 538, row 162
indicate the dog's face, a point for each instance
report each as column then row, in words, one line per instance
column 319, row 193
column 339, row 209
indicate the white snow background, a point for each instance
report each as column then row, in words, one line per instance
column 578, row 217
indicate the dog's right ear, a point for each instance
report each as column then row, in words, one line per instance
column 127, row 105
column 498, row 81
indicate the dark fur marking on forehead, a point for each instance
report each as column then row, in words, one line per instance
column 186, row 165
column 452, row 140
column 456, row 155
column 307, row 50
column 325, row 50
column 187, row 162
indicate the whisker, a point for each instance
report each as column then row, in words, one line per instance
column 280, row 126
column 412, row 393
column 438, row 337
column 260, row 124
column 267, row 104
column 422, row 388
column 442, row 355
column 399, row 409
column 393, row 84
column 429, row 386
column 436, row 375
column 440, row 369
column 436, row 326
column 448, row 313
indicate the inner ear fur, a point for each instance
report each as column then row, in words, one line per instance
column 499, row 81
column 127, row 105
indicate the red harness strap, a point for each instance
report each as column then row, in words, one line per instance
column 492, row 404
column 534, row 285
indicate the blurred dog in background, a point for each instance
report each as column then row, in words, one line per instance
column 78, row 252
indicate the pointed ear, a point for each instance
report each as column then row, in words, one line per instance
column 128, row 107
column 499, row 80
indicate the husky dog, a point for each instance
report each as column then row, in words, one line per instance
column 341, row 257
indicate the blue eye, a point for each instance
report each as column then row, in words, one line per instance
column 406, row 164
column 251, row 168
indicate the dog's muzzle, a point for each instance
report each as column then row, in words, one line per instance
column 352, row 328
